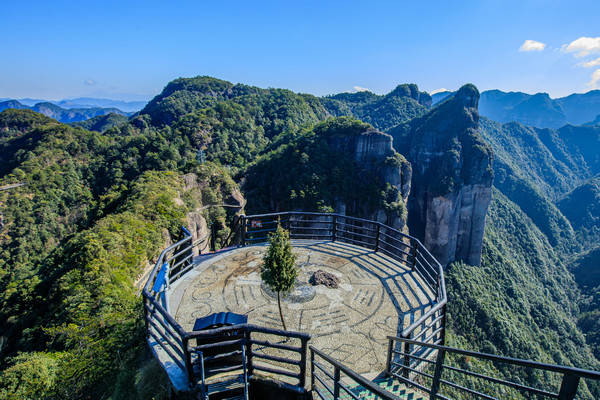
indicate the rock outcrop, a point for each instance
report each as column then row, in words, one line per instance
column 374, row 152
column 452, row 178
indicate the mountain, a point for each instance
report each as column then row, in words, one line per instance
column 60, row 114
column 91, row 102
column 452, row 177
column 540, row 110
column 440, row 96
column 102, row 123
column 383, row 112
column 582, row 208
column 595, row 121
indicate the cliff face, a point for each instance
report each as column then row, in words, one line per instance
column 373, row 151
column 340, row 165
column 452, row 178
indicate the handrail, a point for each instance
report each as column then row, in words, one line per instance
column 567, row 391
column 584, row 373
column 367, row 384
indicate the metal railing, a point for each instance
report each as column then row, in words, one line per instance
column 431, row 380
column 329, row 374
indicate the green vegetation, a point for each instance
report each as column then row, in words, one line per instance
column 402, row 104
column 95, row 211
column 279, row 270
column 521, row 301
column 102, row 123
column 315, row 174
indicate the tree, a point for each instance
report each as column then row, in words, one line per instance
column 279, row 271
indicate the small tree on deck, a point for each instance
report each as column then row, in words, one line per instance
column 279, row 271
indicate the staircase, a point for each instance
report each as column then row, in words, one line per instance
column 389, row 384
column 222, row 376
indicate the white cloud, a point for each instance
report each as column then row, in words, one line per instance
column 595, row 82
column 440, row 90
column 583, row 46
column 590, row 64
column 89, row 82
column 361, row 89
column 532, row 45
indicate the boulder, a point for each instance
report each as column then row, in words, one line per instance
column 324, row 278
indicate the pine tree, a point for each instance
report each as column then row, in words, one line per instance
column 279, row 271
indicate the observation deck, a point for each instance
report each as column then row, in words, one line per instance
column 379, row 334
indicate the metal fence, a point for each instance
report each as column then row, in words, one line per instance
column 440, row 379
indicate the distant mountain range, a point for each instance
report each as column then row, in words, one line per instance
column 86, row 102
column 538, row 110
column 65, row 115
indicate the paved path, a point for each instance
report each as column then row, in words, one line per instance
column 376, row 298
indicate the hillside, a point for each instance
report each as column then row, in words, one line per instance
column 61, row 114
column 582, row 208
column 102, row 123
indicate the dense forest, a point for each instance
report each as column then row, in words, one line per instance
column 102, row 198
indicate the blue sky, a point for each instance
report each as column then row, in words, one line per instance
column 131, row 49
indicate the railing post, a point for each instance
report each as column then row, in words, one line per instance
column 377, row 237
column 437, row 375
column 302, row 382
column 336, row 382
column 388, row 364
column 188, row 362
column 334, row 233
column 243, row 229
column 414, row 254
column 568, row 387
column 250, row 365
column 312, row 370
column 406, row 351
column 443, row 322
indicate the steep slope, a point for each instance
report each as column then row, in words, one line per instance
column 383, row 112
column 522, row 300
column 452, row 177
column 73, row 242
column 582, row 209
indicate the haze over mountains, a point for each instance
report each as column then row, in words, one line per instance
column 537, row 110
column 86, row 102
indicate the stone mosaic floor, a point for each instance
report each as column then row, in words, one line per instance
column 376, row 298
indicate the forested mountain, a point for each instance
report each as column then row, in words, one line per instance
column 102, row 123
column 383, row 112
column 99, row 205
column 61, row 114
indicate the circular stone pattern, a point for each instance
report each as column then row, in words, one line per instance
column 375, row 298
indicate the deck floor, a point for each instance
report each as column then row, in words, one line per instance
column 376, row 298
